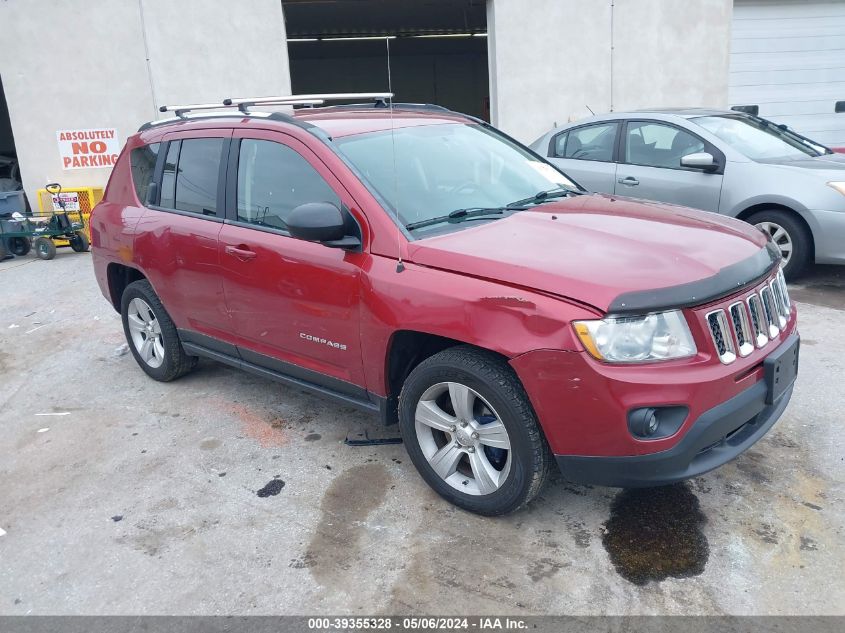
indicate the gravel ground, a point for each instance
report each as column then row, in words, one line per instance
column 223, row 493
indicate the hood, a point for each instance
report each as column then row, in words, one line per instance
column 829, row 166
column 613, row 253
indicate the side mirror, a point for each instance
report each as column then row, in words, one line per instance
column 700, row 160
column 323, row 222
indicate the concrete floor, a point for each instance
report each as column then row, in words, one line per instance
column 120, row 495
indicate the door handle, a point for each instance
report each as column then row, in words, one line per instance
column 629, row 181
column 241, row 251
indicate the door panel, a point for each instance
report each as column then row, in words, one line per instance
column 291, row 301
column 650, row 169
column 592, row 175
column 178, row 250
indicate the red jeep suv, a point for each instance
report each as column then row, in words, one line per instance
column 417, row 263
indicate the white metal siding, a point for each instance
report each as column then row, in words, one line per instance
column 788, row 57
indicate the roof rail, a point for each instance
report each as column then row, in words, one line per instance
column 244, row 103
column 181, row 110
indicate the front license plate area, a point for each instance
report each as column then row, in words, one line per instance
column 781, row 368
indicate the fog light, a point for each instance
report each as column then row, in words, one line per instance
column 651, row 423
column 643, row 422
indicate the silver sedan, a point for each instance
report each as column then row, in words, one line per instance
column 723, row 161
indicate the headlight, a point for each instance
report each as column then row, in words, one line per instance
column 658, row 336
column 839, row 186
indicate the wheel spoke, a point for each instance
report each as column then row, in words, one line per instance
column 786, row 248
column 445, row 461
column 486, row 477
column 430, row 414
column 493, row 434
column 462, row 400
column 146, row 350
column 135, row 322
column 779, row 233
column 158, row 348
column 156, row 326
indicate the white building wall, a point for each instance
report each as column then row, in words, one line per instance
column 78, row 65
column 552, row 61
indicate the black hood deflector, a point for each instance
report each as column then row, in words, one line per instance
column 726, row 282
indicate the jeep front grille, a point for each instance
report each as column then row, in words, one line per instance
column 752, row 322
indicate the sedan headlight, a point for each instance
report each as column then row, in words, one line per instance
column 839, row 186
column 657, row 336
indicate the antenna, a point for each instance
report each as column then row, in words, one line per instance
column 591, row 110
column 400, row 266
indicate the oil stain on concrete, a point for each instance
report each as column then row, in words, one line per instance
column 656, row 533
column 346, row 504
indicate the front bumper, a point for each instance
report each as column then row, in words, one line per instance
column 828, row 235
column 718, row 436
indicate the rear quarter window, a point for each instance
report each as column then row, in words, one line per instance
column 143, row 163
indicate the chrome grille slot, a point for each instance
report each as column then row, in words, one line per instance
column 782, row 281
column 742, row 328
column 780, row 304
column 769, row 311
column 717, row 321
column 758, row 320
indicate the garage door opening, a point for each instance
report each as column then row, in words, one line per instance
column 438, row 49
column 10, row 178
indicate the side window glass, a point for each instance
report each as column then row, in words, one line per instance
column 592, row 142
column 273, row 179
column 168, row 176
column 197, row 175
column 143, row 163
column 658, row 145
column 560, row 145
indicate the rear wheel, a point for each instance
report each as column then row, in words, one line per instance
column 471, row 432
column 19, row 246
column 789, row 235
column 79, row 242
column 44, row 248
column 151, row 334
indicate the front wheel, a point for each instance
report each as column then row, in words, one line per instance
column 44, row 248
column 471, row 432
column 789, row 235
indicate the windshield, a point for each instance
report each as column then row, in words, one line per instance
column 758, row 140
column 442, row 168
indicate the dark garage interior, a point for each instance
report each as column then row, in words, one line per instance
column 438, row 49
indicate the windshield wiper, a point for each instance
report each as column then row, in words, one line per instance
column 459, row 215
column 544, row 196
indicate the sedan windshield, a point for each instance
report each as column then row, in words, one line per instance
column 427, row 172
column 758, row 139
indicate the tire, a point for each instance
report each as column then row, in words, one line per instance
column 145, row 319
column 19, row 246
column 4, row 252
column 44, row 248
column 497, row 401
column 79, row 242
column 787, row 230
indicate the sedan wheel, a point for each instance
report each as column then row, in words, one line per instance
column 780, row 237
column 145, row 332
column 463, row 438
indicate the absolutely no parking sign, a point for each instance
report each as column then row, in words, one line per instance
column 84, row 149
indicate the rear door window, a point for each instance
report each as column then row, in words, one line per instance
column 591, row 142
column 197, row 176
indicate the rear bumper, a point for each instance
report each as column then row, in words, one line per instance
column 717, row 436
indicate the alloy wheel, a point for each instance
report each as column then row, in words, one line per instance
column 145, row 332
column 463, row 438
column 780, row 237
